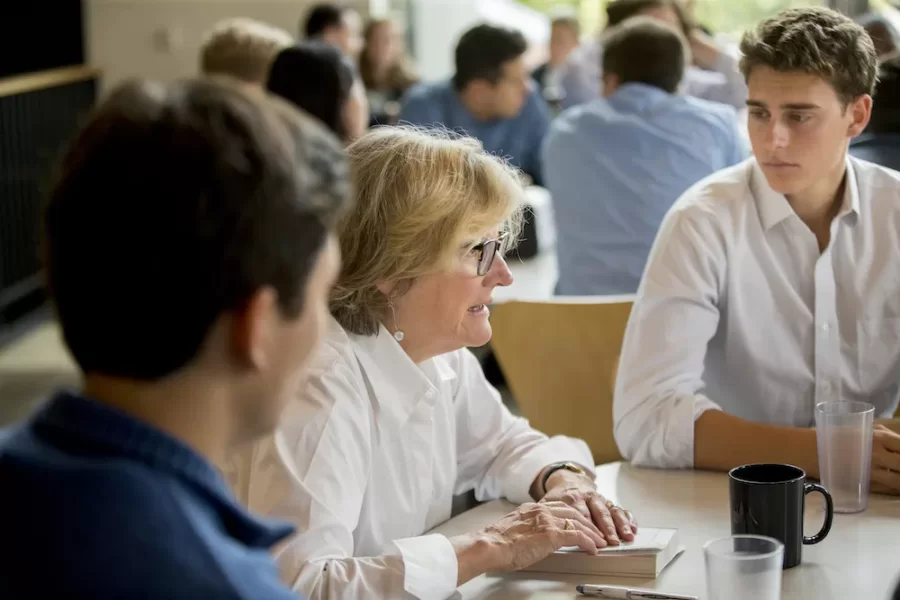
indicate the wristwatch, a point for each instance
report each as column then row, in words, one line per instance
column 551, row 469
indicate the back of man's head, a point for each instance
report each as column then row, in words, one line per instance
column 619, row 11
column 242, row 48
column 321, row 18
column 644, row 50
column 174, row 206
column 483, row 50
column 886, row 107
column 317, row 78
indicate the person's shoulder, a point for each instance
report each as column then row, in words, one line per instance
column 876, row 176
column 428, row 91
column 123, row 518
column 574, row 121
column 723, row 115
column 335, row 385
column 716, row 196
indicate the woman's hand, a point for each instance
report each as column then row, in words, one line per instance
column 885, row 461
column 535, row 531
column 523, row 537
column 580, row 492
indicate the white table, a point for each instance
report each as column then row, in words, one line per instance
column 859, row 560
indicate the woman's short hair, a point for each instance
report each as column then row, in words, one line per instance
column 422, row 196
column 317, row 78
column 242, row 48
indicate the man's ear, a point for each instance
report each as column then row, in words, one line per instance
column 610, row 84
column 860, row 111
column 253, row 327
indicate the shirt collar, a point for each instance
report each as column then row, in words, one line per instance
column 638, row 95
column 397, row 382
column 774, row 208
column 84, row 426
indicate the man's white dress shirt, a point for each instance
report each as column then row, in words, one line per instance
column 368, row 459
column 739, row 311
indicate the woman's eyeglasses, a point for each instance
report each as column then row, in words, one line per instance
column 487, row 251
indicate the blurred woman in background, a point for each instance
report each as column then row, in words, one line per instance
column 385, row 69
column 320, row 80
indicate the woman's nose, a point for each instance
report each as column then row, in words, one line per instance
column 499, row 273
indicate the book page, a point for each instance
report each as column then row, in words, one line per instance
column 647, row 541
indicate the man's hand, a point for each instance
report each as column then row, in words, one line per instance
column 580, row 492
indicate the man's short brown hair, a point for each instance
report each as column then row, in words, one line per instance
column 174, row 205
column 242, row 48
column 817, row 41
column 645, row 50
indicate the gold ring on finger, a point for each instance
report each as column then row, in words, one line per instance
column 569, row 525
column 610, row 505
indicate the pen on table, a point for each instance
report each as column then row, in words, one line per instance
column 622, row 593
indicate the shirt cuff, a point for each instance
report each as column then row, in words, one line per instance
column 517, row 482
column 430, row 567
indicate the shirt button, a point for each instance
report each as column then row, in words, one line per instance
column 825, row 327
column 429, row 394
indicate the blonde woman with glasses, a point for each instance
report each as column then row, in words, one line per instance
column 398, row 416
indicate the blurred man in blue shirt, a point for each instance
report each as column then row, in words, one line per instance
column 615, row 165
column 190, row 254
column 490, row 98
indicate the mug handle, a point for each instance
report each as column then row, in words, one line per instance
column 829, row 512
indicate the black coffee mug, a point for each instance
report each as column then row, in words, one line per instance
column 769, row 500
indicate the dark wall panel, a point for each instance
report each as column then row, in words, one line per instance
column 38, row 35
column 34, row 127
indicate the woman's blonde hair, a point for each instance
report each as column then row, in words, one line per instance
column 421, row 197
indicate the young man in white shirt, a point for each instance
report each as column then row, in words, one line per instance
column 773, row 285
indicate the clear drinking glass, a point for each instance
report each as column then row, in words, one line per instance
column 743, row 567
column 844, row 438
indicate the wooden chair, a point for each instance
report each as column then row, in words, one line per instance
column 559, row 357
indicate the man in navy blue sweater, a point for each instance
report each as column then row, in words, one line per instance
column 189, row 252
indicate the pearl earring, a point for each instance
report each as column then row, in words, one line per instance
column 398, row 335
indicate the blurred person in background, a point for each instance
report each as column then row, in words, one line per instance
column 565, row 33
column 398, row 417
column 615, row 165
column 334, row 24
column 713, row 76
column 242, row 48
column 319, row 79
column 883, row 34
column 490, row 98
column 385, row 70
column 190, row 252
column 880, row 142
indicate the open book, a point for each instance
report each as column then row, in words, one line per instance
column 646, row 556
